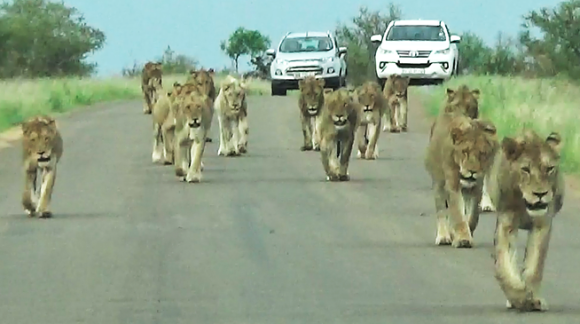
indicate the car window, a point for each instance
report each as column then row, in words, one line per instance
column 416, row 33
column 306, row 44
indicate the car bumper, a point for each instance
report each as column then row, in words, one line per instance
column 292, row 84
column 415, row 69
column 291, row 74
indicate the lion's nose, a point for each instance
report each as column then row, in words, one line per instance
column 540, row 194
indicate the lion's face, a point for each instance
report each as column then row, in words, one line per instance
column 312, row 92
column 400, row 85
column 463, row 100
column 475, row 144
column 39, row 134
column 368, row 97
column 203, row 80
column 192, row 113
column 340, row 107
column 535, row 164
column 235, row 95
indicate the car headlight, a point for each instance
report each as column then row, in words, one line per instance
column 282, row 62
column 385, row 51
column 445, row 51
column 328, row 59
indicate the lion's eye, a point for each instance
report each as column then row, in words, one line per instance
column 526, row 169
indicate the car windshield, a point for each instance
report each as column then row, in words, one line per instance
column 306, row 44
column 416, row 33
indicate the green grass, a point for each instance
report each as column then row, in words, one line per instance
column 513, row 103
column 21, row 99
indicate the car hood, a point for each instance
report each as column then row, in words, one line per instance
column 304, row 56
column 414, row 45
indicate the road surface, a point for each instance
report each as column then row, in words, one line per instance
column 263, row 240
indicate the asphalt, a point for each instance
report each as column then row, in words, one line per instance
column 263, row 239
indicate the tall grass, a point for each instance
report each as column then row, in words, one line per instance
column 20, row 99
column 514, row 103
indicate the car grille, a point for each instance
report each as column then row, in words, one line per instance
column 420, row 54
column 413, row 66
column 299, row 69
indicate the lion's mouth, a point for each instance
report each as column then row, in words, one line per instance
column 467, row 179
column 44, row 159
column 340, row 122
column 538, row 206
column 313, row 111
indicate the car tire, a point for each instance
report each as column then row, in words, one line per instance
column 277, row 90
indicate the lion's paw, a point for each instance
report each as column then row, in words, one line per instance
column 306, row 147
column 344, row 177
column 359, row 154
column 443, row 240
column 372, row 155
column 462, row 243
column 193, row 177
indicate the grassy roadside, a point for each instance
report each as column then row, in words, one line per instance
column 512, row 103
column 20, row 99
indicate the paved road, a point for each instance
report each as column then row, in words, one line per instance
column 262, row 240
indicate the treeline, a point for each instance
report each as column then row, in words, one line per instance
column 556, row 52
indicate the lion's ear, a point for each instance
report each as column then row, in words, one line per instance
column 456, row 134
column 450, row 93
column 555, row 141
column 475, row 93
column 407, row 80
column 321, row 82
column 511, row 148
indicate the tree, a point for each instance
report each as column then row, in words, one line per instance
column 42, row 39
column 357, row 38
column 172, row 64
column 244, row 42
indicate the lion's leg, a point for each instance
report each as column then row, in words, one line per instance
column 387, row 120
column 345, row 152
column 48, row 179
column 196, row 152
column 486, row 203
column 29, row 198
column 471, row 203
column 394, row 118
column 157, row 154
column 307, row 130
column 460, row 230
column 181, row 159
column 223, row 143
column 315, row 122
column 374, row 130
column 506, row 270
column 534, row 261
column 234, row 137
column 168, row 146
column 147, row 97
column 402, row 119
column 362, row 141
column 443, row 234
column 244, row 132
column 327, row 154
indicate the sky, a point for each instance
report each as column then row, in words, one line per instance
column 140, row 30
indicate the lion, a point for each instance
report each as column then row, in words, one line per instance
column 164, row 120
column 42, row 147
column 463, row 100
column 151, row 79
column 338, row 123
column 395, row 92
column 526, row 186
column 459, row 154
column 232, row 112
column 374, row 106
column 203, row 79
column 193, row 121
column 310, row 103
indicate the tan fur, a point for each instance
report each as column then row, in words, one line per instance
column 374, row 106
column 193, row 122
column 526, row 186
column 463, row 100
column 338, row 123
column 310, row 103
column 42, row 148
column 459, row 154
column 151, row 79
column 204, row 81
column 164, row 125
column 232, row 111
column 395, row 92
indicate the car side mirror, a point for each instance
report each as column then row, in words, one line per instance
column 454, row 39
column 271, row 52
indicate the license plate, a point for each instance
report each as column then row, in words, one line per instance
column 304, row 74
column 413, row 71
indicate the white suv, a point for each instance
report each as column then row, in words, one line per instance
column 299, row 55
column 423, row 50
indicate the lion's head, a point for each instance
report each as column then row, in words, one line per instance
column 312, row 94
column 474, row 146
column 341, row 108
column 369, row 96
column 234, row 93
column 39, row 135
column 463, row 100
column 152, row 70
column 192, row 109
column 534, row 162
column 203, row 80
